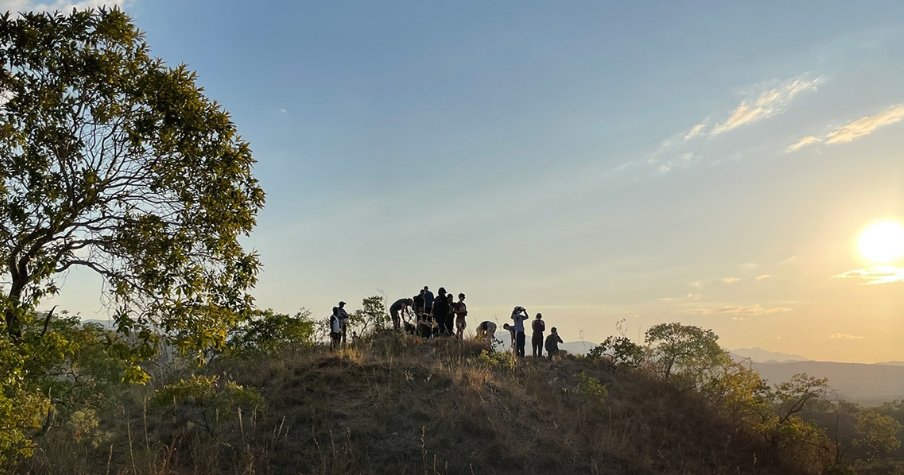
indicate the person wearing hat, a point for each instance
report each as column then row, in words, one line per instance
column 343, row 319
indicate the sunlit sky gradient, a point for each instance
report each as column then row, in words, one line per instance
column 649, row 161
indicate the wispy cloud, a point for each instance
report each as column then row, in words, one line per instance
column 687, row 298
column 695, row 131
column 686, row 148
column 57, row 5
column 854, row 129
column 730, row 280
column 766, row 104
column 803, row 142
column 763, row 277
column 667, row 164
column 741, row 311
column 845, row 336
column 752, row 310
column 875, row 275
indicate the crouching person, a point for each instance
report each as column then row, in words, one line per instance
column 552, row 343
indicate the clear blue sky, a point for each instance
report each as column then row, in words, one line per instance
column 704, row 162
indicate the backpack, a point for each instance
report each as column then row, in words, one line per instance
column 539, row 326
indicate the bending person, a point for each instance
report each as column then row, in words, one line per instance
column 396, row 309
column 487, row 330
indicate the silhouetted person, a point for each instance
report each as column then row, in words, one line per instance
column 442, row 312
column 428, row 300
column 487, row 330
column 418, row 304
column 461, row 311
column 396, row 309
column 343, row 320
column 335, row 329
column 536, row 339
column 424, row 326
column 552, row 343
column 519, row 315
column 511, row 331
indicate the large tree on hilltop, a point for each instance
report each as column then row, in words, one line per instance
column 112, row 161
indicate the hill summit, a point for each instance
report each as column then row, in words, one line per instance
column 398, row 404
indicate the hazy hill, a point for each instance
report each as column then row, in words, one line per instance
column 862, row 383
column 765, row 356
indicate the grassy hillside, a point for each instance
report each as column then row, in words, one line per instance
column 396, row 404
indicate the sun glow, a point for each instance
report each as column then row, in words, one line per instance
column 882, row 242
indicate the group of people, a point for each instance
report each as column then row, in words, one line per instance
column 433, row 316
column 487, row 330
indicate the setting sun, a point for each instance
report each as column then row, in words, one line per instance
column 882, row 242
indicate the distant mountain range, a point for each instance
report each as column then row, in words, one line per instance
column 868, row 384
column 765, row 356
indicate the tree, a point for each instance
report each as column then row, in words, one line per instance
column 268, row 332
column 372, row 315
column 684, row 348
column 876, row 433
column 112, row 161
column 620, row 350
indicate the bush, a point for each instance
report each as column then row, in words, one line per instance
column 268, row 332
column 621, row 350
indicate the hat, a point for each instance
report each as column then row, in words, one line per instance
column 341, row 303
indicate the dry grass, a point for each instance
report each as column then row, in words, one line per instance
column 396, row 404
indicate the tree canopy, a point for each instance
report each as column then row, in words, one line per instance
column 113, row 161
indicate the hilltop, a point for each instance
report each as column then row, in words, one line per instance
column 398, row 404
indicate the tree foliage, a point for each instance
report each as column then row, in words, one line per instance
column 621, row 350
column 372, row 315
column 876, row 433
column 112, row 161
column 685, row 349
column 268, row 332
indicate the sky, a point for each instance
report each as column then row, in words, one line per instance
column 711, row 163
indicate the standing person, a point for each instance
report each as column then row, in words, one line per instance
column 487, row 330
column 400, row 306
column 428, row 299
column 441, row 312
column 335, row 329
column 461, row 311
column 418, row 304
column 519, row 315
column 552, row 343
column 536, row 339
column 343, row 320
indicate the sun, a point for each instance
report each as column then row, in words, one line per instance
column 882, row 242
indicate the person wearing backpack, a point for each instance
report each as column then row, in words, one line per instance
column 536, row 340
column 335, row 329
column 342, row 315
